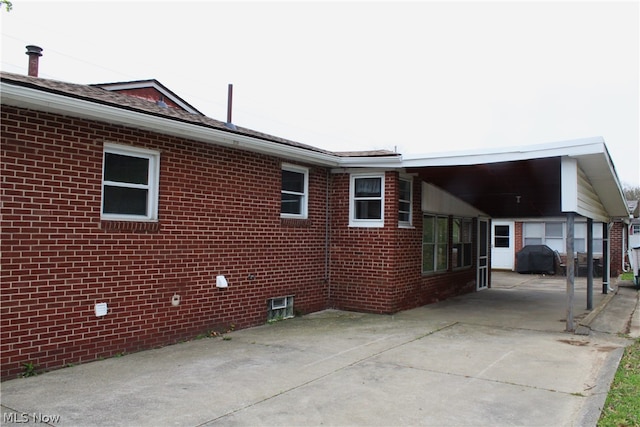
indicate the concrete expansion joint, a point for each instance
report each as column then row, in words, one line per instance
column 320, row 377
column 472, row 378
column 634, row 322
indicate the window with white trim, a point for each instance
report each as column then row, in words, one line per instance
column 435, row 243
column 130, row 183
column 294, row 192
column 580, row 237
column 553, row 234
column 405, row 197
column 461, row 250
column 366, row 200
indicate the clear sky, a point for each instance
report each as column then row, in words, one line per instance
column 419, row 77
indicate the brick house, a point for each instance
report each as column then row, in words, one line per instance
column 130, row 221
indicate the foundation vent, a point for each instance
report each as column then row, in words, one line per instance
column 279, row 308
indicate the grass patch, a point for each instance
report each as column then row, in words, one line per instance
column 622, row 407
column 627, row 276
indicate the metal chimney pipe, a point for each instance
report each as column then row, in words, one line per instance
column 229, row 102
column 34, row 52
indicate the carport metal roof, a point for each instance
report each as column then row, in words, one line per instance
column 530, row 181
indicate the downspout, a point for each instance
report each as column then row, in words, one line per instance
column 606, row 258
column 624, row 249
column 327, row 278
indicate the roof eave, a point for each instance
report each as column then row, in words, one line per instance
column 55, row 103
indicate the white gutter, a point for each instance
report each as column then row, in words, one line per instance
column 45, row 101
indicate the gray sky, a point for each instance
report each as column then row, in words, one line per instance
column 421, row 76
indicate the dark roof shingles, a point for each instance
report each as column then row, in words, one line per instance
column 94, row 94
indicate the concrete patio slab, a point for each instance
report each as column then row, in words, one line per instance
column 498, row 357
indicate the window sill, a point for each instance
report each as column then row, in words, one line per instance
column 295, row 222
column 433, row 273
column 377, row 224
column 130, row 226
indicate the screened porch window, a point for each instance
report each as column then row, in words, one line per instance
column 435, row 243
column 461, row 251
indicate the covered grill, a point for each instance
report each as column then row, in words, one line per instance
column 536, row 259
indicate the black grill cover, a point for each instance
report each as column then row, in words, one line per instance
column 536, row 259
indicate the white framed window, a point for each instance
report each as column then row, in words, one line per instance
column 435, row 243
column 366, row 200
column 554, row 235
column 533, row 233
column 580, row 237
column 294, row 192
column 405, row 202
column 130, row 179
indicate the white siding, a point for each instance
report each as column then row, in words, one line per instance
column 436, row 200
column 578, row 194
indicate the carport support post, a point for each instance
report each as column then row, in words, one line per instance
column 605, row 257
column 589, row 264
column 570, row 270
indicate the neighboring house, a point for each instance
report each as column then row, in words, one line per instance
column 130, row 220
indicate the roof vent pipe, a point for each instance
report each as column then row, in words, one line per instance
column 229, row 124
column 160, row 103
column 34, row 52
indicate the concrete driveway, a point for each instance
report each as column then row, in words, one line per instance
column 499, row 357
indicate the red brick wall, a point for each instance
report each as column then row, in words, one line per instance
column 219, row 213
column 379, row 269
column 518, row 242
column 362, row 259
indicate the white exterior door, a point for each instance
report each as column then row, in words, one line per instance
column 502, row 245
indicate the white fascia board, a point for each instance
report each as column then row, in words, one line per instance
column 569, row 184
column 393, row 162
column 497, row 155
column 54, row 103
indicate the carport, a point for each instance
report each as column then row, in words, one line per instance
column 567, row 178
